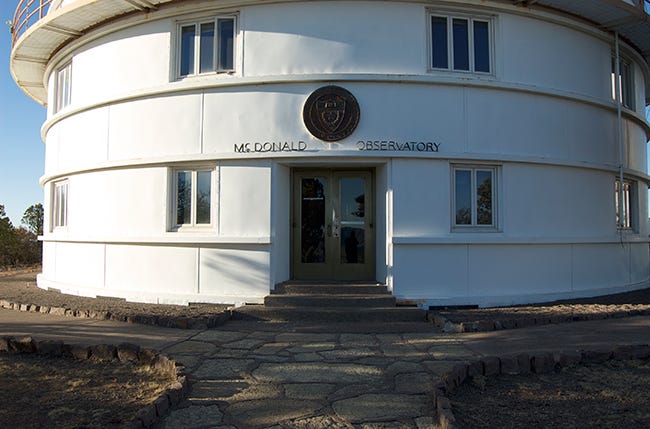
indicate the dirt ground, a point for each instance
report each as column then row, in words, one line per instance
column 615, row 394
column 43, row 392
column 21, row 287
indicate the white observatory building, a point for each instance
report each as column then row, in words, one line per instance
column 460, row 152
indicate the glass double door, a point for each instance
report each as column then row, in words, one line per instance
column 333, row 231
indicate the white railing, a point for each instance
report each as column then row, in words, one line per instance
column 28, row 12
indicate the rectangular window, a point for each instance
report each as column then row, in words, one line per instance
column 193, row 198
column 461, row 44
column 60, row 205
column 625, row 82
column 63, row 87
column 474, row 196
column 206, row 46
column 628, row 204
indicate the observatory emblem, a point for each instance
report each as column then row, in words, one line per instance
column 331, row 113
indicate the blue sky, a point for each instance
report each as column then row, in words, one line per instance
column 22, row 152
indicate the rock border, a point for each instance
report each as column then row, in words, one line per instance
column 522, row 363
column 143, row 319
column 487, row 325
column 122, row 353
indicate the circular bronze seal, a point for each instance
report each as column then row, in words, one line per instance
column 331, row 113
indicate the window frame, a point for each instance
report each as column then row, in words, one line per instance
column 63, row 87
column 60, row 204
column 193, row 225
column 626, row 84
column 474, row 226
column 629, row 204
column 196, row 49
column 450, row 16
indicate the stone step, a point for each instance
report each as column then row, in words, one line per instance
column 329, row 315
column 331, row 289
column 326, row 301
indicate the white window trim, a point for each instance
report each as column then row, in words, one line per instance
column 629, row 206
column 60, row 223
column 630, row 89
column 450, row 15
column 172, row 223
column 176, row 55
column 496, row 198
column 62, row 98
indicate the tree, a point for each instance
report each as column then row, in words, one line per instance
column 7, row 239
column 33, row 219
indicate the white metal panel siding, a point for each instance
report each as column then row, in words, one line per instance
column 334, row 37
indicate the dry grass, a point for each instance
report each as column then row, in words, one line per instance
column 615, row 394
column 43, row 392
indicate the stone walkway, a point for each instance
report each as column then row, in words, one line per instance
column 256, row 375
column 278, row 375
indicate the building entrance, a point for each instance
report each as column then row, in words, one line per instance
column 333, row 225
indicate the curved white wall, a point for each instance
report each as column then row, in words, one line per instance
column 545, row 117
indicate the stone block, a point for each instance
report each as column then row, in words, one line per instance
column 44, row 309
column 475, row 368
column 181, row 323
column 50, row 348
column 200, row 324
column 523, row 361
column 460, row 372
column 451, row 381
column 485, row 326
column 147, row 416
column 164, row 364
column 491, row 365
column 185, row 384
column 162, row 405
column 77, row 351
column 4, row 303
column 33, row 308
column 57, row 311
column 175, row 393
column 447, row 419
column 542, row 363
column 22, row 345
column 147, row 357
column 509, row 365
column 24, row 307
column 452, row 328
column 568, row 358
column 116, row 317
column 127, row 352
column 103, row 352
column 596, row 356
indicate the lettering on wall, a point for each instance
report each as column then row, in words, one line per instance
column 286, row 146
column 397, row 146
column 362, row 145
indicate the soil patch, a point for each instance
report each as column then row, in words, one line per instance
column 21, row 288
column 614, row 394
column 38, row 391
column 600, row 307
